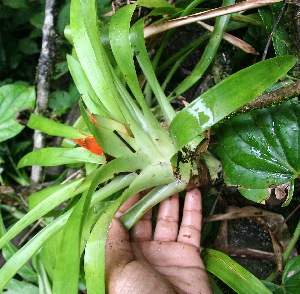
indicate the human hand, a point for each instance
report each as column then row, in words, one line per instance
column 167, row 263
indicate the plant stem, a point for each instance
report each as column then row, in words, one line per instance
column 287, row 252
column 266, row 100
column 292, row 244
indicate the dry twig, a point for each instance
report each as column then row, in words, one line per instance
column 43, row 81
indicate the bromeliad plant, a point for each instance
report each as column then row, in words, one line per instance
column 126, row 149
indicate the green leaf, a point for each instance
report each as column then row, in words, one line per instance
column 281, row 38
column 67, row 267
column 15, row 287
column 291, row 275
column 63, row 18
column 53, row 196
column 48, row 255
column 138, row 44
column 53, row 128
column 154, row 3
column 53, row 156
column 208, row 54
column 274, row 288
column 16, row 4
column 68, row 190
column 123, row 53
column 28, row 46
column 61, row 101
column 121, row 48
column 92, row 56
column 154, row 197
column 94, row 258
column 231, row 273
column 26, row 272
column 226, row 97
column 95, row 248
column 13, row 98
column 30, row 248
column 44, row 283
column 84, row 87
column 11, row 267
column 106, row 134
column 260, row 150
column 108, row 137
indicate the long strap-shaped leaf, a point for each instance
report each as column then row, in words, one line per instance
column 208, row 54
column 88, row 95
column 12, row 266
column 92, row 56
column 226, row 97
column 124, row 55
column 139, row 46
column 55, row 196
column 233, row 274
column 66, row 274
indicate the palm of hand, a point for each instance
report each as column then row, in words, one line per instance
column 170, row 263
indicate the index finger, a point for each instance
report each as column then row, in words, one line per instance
column 190, row 228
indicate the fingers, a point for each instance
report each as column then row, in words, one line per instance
column 190, row 228
column 167, row 219
column 142, row 230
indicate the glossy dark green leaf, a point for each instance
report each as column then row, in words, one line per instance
column 226, row 97
column 61, row 101
column 260, row 149
column 13, row 98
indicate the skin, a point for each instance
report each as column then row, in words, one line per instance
column 164, row 261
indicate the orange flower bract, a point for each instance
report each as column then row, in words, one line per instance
column 90, row 144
